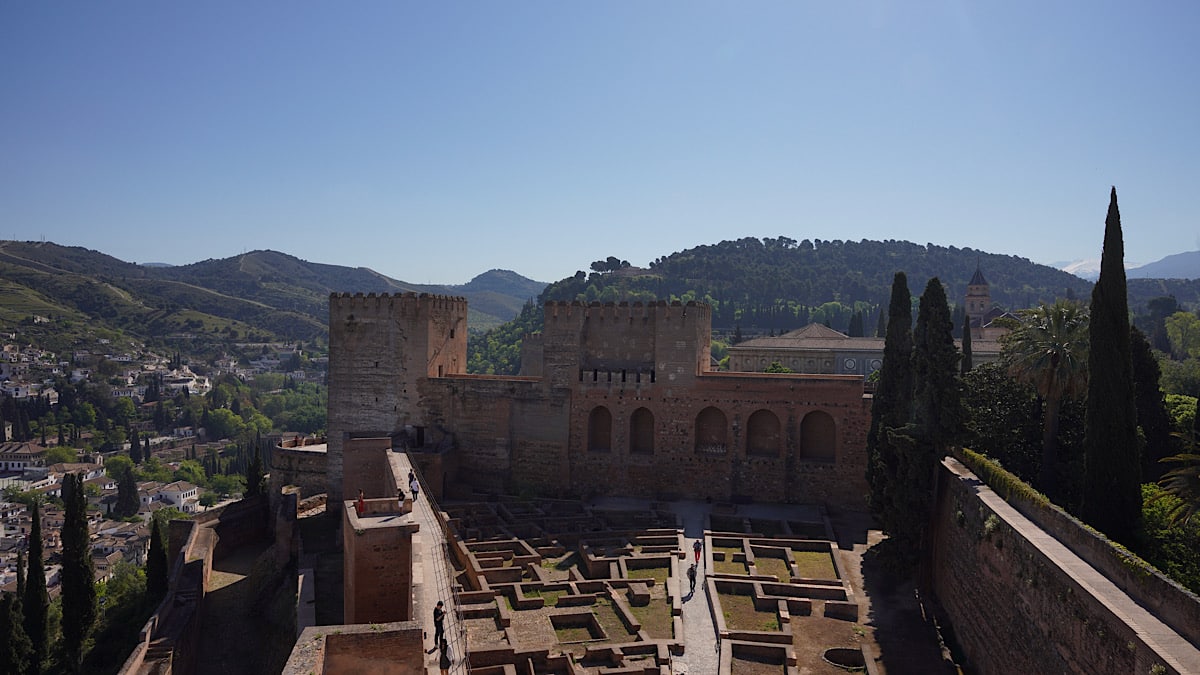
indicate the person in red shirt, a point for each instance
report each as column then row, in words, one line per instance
column 361, row 504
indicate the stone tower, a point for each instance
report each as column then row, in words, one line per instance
column 382, row 348
column 979, row 298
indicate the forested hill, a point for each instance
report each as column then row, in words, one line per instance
column 775, row 285
column 255, row 296
column 781, row 284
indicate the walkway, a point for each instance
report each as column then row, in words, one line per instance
column 701, row 655
column 232, row 635
column 1168, row 645
column 432, row 574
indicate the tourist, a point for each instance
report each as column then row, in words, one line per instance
column 697, row 547
column 439, row 629
column 361, row 504
column 414, row 487
column 692, row 578
column 444, row 660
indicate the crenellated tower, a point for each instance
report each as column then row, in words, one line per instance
column 381, row 348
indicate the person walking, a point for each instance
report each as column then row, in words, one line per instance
column 696, row 548
column 439, row 626
column 414, row 487
column 692, row 578
column 444, row 660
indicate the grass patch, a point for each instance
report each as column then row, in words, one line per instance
column 573, row 634
column 750, row 666
column 814, row 565
column 606, row 616
column 655, row 619
column 776, row 567
column 740, row 614
column 658, row 574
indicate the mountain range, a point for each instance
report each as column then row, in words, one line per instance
column 768, row 284
column 1177, row 266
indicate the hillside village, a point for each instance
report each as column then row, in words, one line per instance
column 31, row 374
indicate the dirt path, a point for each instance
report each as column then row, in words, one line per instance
column 230, row 640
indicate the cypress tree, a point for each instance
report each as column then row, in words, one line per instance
column 156, row 563
column 1151, row 409
column 935, row 423
column 78, row 573
column 135, row 446
column 967, row 360
column 16, row 651
column 1112, row 497
column 891, row 403
column 128, row 501
column 36, row 602
column 254, row 476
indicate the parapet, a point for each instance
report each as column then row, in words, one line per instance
column 556, row 309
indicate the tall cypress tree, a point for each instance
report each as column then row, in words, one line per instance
column 967, row 355
column 36, row 602
column 935, row 423
column 128, row 501
column 1112, row 497
column 891, row 402
column 78, row 573
column 16, row 651
column 135, row 446
column 157, row 575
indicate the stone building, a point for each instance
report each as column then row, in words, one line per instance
column 612, row 399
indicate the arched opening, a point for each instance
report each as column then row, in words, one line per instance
column 600, row 430
column 762, row 434
column 712, row 434
column 641, row 431
column 818, row 437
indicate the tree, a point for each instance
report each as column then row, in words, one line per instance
column 777, row 367
column 1183, row 331
column 128, row 500
column 255, row 478
column 936, row 420
column 1048, row 349
column 1151, row 408
column 78, row 574
column 36, row 602
column 157, row 570
column 967, row 354
column 1112, row 494
column 892, row 401
column 61, row 455
column 16, row 650
column 135, row 446
column 1183, row 483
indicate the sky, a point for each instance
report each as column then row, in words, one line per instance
column 433, row 141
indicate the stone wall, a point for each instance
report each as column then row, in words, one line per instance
column 380, row 649
column 301, row 465
column 1011, row 609
column 598, row 362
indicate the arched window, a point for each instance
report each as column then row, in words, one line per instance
column 712, row 432
column 600, row 430
column 762, row 434
column 818, row 437
column 641, row 431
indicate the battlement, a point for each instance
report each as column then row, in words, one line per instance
column 349, row 302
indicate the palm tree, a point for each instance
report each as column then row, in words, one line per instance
column 1183, row 483
column 1048, row 349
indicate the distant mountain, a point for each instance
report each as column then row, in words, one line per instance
column 260, row 294
column 1178, row 266
column 1084, row 269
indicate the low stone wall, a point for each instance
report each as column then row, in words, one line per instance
column 381, row 649
column 304, row 466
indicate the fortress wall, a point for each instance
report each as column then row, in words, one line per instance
column 1011, row 609
column 677, row 468
column 509, row 433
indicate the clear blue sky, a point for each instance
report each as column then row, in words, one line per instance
column 432, row 141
